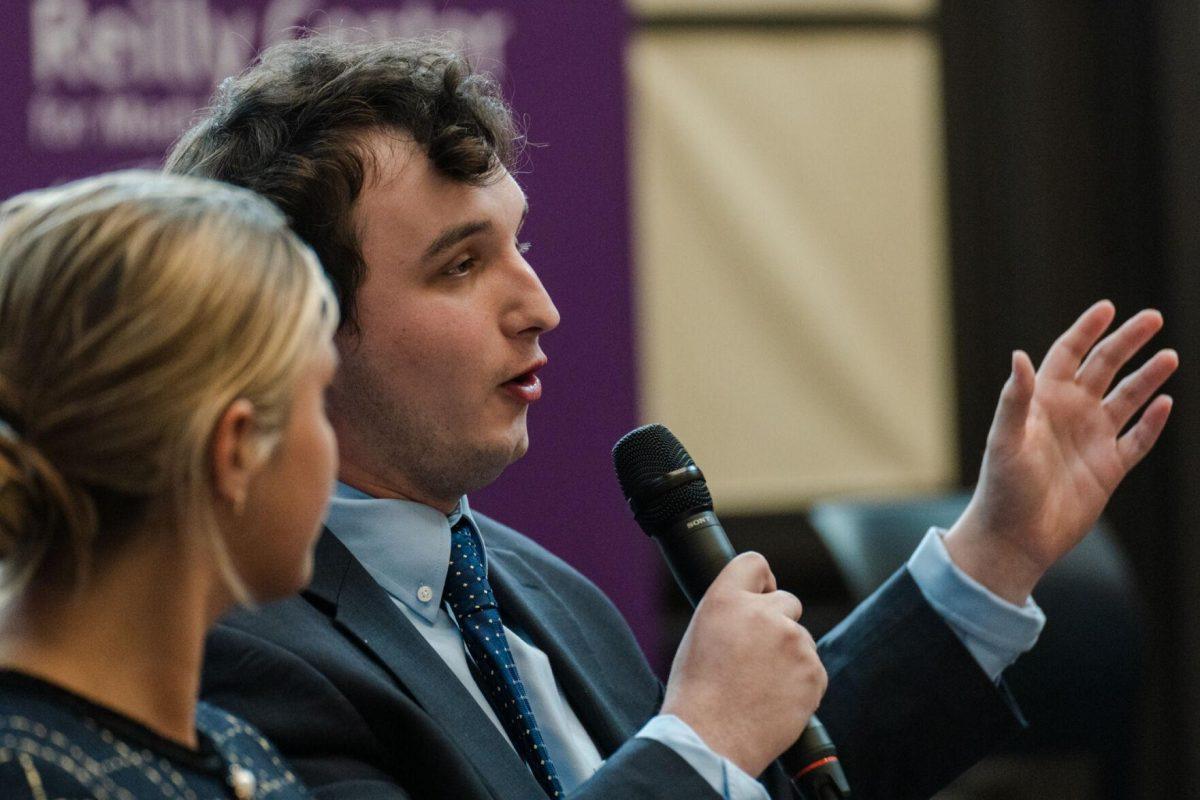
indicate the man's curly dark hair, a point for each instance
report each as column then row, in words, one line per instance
column 292, row 128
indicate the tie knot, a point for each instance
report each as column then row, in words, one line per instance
column 467, row 587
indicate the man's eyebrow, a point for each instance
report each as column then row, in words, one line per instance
column 452, row 236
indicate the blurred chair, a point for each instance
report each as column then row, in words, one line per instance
column 1079, row 686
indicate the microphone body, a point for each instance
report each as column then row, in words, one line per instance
column 696, row 549
column 671, row 503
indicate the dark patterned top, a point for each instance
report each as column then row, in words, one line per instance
column 55, row 745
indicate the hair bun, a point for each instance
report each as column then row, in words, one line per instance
column 40, row 510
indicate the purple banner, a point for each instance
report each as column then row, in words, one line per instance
column 93, row 85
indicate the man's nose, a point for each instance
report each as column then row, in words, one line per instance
column 533, row 311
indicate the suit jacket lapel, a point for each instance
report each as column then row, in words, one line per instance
column 529, row 603
column 364, row 611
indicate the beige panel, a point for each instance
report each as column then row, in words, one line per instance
column 792, row 290
column 702, row 7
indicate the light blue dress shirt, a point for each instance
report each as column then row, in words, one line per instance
column 994, row 630
column 406, row 548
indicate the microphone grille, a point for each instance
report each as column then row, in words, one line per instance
column 641, row 458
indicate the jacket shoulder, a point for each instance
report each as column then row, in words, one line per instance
column 498, row 535
column 575, row 588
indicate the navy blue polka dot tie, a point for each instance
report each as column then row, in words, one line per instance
column 471, row 598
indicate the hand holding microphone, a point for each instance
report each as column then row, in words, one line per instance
column 746, row 677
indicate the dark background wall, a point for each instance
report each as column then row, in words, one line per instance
column 1072, row 136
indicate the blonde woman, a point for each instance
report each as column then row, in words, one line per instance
column 165, row 343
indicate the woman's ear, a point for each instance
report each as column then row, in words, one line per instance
column 232, row 455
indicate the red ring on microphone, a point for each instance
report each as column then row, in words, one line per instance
column 818, row 763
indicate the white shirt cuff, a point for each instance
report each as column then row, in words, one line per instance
column 995, row 631
column 725, row 777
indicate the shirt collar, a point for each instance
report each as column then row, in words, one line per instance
column 405, row 546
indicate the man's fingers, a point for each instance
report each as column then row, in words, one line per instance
column 1138, row 387
column 1013, row 408
column 1108, row 357
column 749, row 572
column 1138, row 440
column 787, row 604
column 1065, row 355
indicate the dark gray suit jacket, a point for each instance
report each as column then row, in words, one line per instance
column 352, row 694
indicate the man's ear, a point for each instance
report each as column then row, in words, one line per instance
column 232, row 454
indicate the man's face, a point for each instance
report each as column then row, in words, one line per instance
column 431, row 397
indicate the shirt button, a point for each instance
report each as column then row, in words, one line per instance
column 425, row 594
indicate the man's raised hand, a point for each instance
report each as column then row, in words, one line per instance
column 1056, row 450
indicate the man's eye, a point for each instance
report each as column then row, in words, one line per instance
column 524, row 247
column 461, row 267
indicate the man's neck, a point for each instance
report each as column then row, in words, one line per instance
column 395, row 487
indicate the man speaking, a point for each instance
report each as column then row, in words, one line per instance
column 438, row 653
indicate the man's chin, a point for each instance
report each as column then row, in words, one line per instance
column 520, row 448
column 515, row 443
column 512, row 452
column 489, row 462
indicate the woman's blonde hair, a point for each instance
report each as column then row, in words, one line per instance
column 135, row 307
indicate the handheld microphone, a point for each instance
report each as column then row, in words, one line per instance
column 671, row 503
